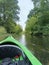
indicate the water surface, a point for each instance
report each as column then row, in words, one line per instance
column 39, row 46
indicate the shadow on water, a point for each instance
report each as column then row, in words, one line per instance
column 39, row 46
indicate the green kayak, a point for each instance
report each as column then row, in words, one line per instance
column 11, row 48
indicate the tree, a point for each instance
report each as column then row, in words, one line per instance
column 40, row 6
column 18, row 29
column 41, row 13
column 30, row 25
column 13, row 27
column 9, row 8
column 9, row 11
column 10, row 26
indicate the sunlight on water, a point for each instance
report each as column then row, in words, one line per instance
column 22, row 40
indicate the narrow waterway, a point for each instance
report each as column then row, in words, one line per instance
column 39, row 46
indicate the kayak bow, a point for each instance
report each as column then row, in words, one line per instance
column 30, row 56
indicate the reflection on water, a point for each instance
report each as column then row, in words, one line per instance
column 39, row 46
column 22, row 39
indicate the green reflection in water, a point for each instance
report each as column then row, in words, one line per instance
column 39, row 46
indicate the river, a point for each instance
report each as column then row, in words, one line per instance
column 39, row 46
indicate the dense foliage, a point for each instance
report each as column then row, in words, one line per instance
column 38, row 18
column 9, row 11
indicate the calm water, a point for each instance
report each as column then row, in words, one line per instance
column 39, row 46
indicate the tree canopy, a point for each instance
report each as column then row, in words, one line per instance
column 41, row 13
column 9, row 11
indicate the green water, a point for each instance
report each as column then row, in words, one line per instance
column 39, row 46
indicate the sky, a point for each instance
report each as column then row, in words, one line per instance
column 25, row 7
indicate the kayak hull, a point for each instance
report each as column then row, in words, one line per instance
column 30, row 56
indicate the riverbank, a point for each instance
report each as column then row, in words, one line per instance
column 5, row 35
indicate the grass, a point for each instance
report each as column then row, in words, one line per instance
column 3, row 36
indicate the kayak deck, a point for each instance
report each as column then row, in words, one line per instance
column 32, row 59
